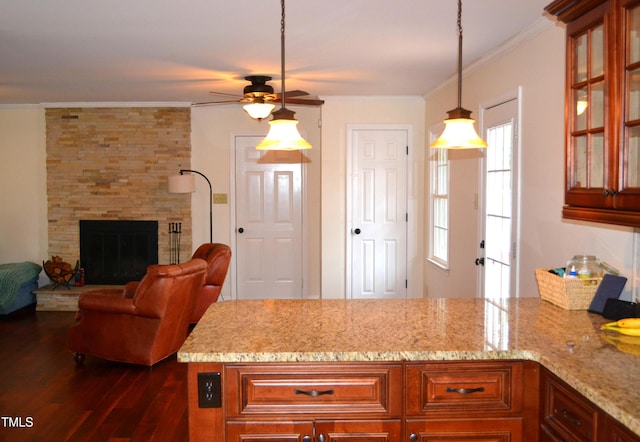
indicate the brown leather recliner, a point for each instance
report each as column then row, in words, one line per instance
column 142, row 327
column 218, row 257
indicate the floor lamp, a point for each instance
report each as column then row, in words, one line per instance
column 187, row 184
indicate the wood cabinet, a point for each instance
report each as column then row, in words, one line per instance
column 313, row 402
column 501, row 401
column 466, row 401
column 566, row 415
column 602, row 111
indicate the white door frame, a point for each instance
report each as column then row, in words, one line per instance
column 233, row 282
column 517, row 207
column 412, row 221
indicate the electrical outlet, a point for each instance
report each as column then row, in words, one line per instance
column 209, row 390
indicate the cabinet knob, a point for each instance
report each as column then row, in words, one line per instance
column 241, row 230
column 610, row 192
column 321, row 437
column 306, row 438
column 413, row 437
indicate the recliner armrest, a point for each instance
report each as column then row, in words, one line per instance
column 106, row 303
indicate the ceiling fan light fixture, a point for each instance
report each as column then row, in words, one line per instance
column 459, row 131
column 258, row 111
column 283, row 133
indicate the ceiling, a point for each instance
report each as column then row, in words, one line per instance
column 178, row 51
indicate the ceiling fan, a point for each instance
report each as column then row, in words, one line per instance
column 261, row 92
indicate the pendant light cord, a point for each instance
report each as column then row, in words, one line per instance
column 282, row 50
column 459, row 52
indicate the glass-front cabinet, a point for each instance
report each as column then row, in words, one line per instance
column 602, row 109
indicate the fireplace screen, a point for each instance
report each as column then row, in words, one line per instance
column 116, row 252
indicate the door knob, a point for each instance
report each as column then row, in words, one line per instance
column 241, row 230
column 357, row 231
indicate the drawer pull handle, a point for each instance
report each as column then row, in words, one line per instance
column 313, row 393
column 464, row 390
column 568, row 418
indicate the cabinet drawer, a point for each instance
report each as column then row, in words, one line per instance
column 318, row 389
column 475, row 387
column 476, row 430
column 568, row 414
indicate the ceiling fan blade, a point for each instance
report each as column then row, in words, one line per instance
column 213, row 103
column 291, row 94
column 225, row 94
column 304, row 101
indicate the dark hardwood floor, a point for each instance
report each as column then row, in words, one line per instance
column 45, row 397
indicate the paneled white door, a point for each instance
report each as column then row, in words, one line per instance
column 378, row 203
column 268, row 222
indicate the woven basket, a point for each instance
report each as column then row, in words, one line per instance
column 568, row 293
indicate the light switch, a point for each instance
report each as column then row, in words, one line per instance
column 219, row 198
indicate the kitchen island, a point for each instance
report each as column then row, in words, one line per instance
column 394, row 337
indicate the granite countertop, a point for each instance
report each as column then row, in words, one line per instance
column 568, row 343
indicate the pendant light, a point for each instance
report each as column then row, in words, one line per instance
column 459, row 132
column 283, row 133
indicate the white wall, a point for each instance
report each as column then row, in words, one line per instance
column 537, row 66
column 23, row 198
column 337, row 114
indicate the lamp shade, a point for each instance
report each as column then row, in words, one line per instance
column 182, row 183
column 459, row 133
column 283, row 133
column 258, row 111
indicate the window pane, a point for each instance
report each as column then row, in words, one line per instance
column 634, row 34
column 579, row 162
column 597, row 161
column 633, row 156
column 580, row 58
column 597, row 51
column 581, row 103
column 633, row 107
column 597, row 105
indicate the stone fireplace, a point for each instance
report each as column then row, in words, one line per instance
column 113, row 164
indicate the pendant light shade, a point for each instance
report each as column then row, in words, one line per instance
column 283, row 132
column 459, row 131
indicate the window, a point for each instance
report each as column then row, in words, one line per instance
column 439, row 196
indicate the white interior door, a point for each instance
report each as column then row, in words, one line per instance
column 268, row 222
column 378, row 200
column 500, row 205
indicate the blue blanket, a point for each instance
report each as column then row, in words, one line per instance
column 12, row 277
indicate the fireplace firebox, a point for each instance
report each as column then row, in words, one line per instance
column 115, row 251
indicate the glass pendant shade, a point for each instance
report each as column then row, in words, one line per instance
column 283, row 133
column 182, row 184
column 459, row 133
column 258, row 111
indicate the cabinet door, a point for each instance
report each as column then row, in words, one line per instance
column 269, row 431
column 358, row 431
column 628, row 197
column 591, row 142
column 484, row 430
